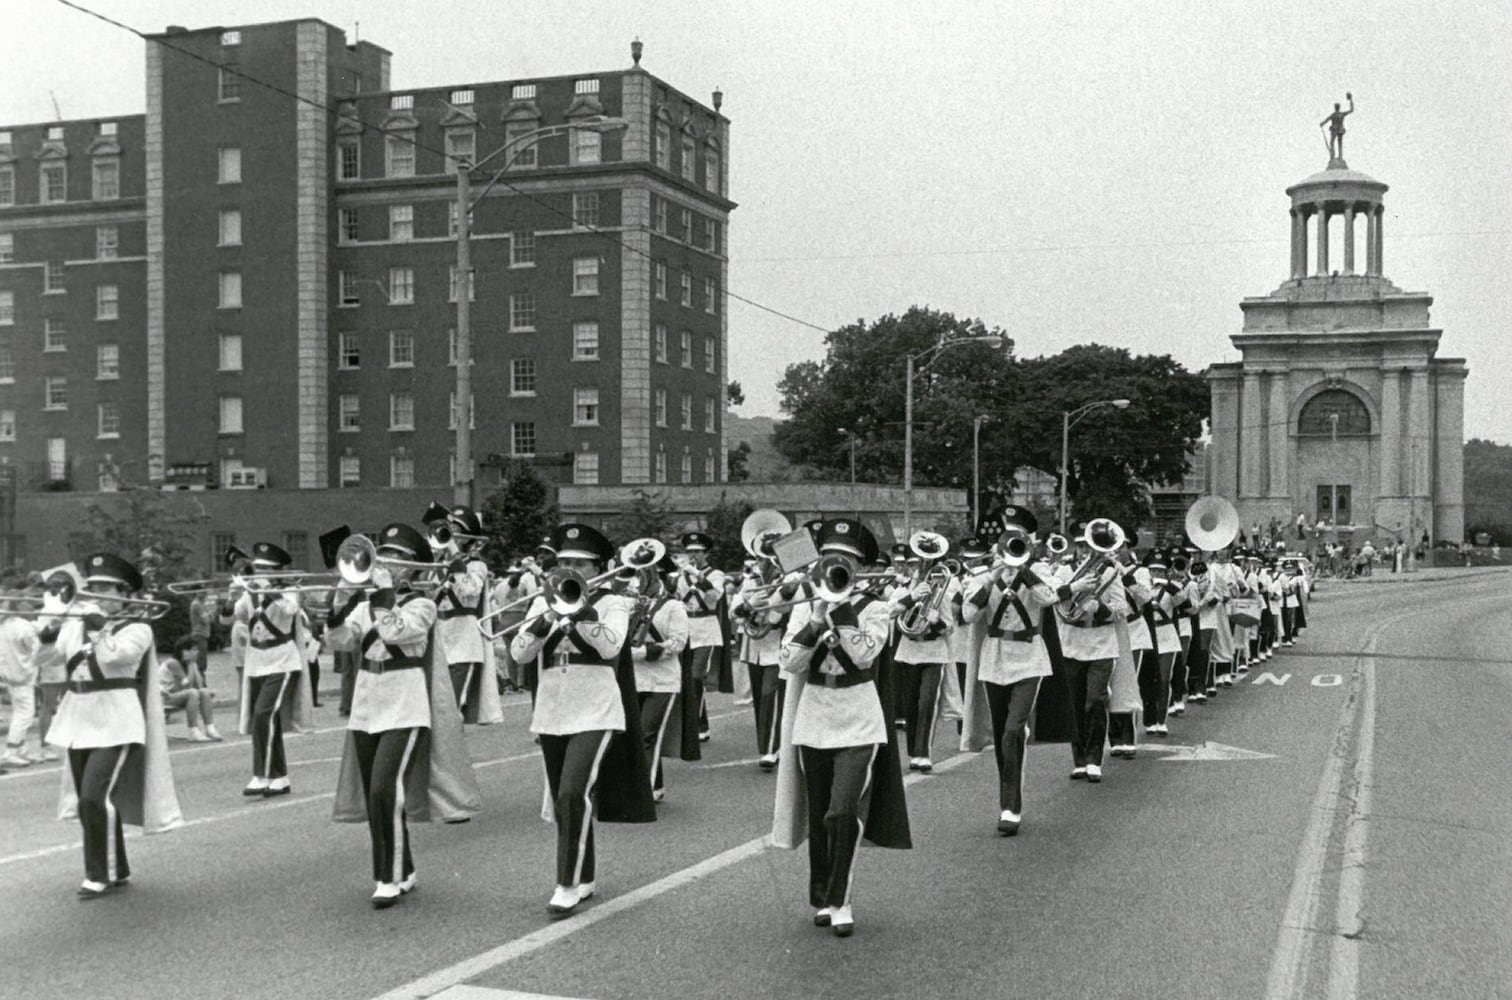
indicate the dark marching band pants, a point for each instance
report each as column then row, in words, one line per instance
column 1087, row 684
column 1199, row 663
column 96, row 773
column 655, row 711
column 385, row 759
column 918, row 693
column 268, row 693
column 572, row 769
column 467, row 681
column 1288, row 624
column 1121, row 729
column 1155, row 684
column 767, row 691
column 1012, row 706
column 703, row 659
column 839, row 787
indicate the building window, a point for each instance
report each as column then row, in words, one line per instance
column 711, row 239
column 57, row 459
column 688, row 152
column 587, row 146
column 7, row 364
column 401, row 348
column 107, row 362
column 685, row 225
column 522, row 92
column 660, row 342
column 54, row 334
column 106, row 180
column 585, row 274
column 463, row 98
column 710, row 298
column 230, row 415
column 230, row 84
column 585, row 468
column 401, row 411
column 401, row 223
column 54, row 183
column 350, row 474
column 664, row 145
column 402, row 102
column 230, row 290
column 522, row 377
column 347, row 353
column 1334, row 413
column 55, row 393
column 7, row 308
column 346, row 288
column 347, row 226
column 585, row 209
column 687, row 466
column 349, row 412
column 586, row 86
column 7, row 425
column 109, row 422
column 708, row 414
column 685, row 349
column 585, row 407
column 400, row 150
column 524, row 155
column 107, row 302
column 661, row 467
column 229, row 171
column 686, row 294
column 660, row 407
column 230, row 228
column 711, row 356
column 522, row 439
column 585, row 341
column 7, row 185
column 230, row 38
column 660, row 223
column 711, row 169
column 660, row 278
column 230, row 352
column 7, row 247
column 451, row 412
column 348, row 161
column 522, row 311
column 401, row 471
column 52, row 277
column 107, row 242
column 451, row 293
column 401, row 286
column 709, row 466
column 461, row 146
column 522, row 249
column 686, row 411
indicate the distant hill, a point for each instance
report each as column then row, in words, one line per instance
column 766, row 464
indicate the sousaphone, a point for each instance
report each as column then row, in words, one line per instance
column 760, row 529
column 1212, row 524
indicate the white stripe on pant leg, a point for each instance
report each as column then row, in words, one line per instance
column 466, row 687
column 398, row 818
column 661, row 732
column 272, row 718
column 772, row 742
column 577, row 870
column 934, row 711
column 850, row 876
column 112, row 863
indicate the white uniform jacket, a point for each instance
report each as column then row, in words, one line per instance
column 1095, row 638
column 666, row 636
column 577, row 691
column 459, row 603
column 1013, row 649
column 275, row 637
column 830, row 717
column 933, row 646
column 700, row 594
column 101, row 707
column 394, row 638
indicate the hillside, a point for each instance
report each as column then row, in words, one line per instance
column 765, row 464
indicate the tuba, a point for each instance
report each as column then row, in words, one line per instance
column 760, row 529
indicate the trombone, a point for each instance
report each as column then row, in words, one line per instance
column 144, row 609
column 567, row 591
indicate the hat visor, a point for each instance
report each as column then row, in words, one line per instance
column 578, row 554
column 840, row 548
column 114, row 581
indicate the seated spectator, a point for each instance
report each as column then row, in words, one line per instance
column 183, row 685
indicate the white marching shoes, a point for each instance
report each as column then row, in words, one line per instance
column 256, row 786
column 385, row 894
column 842, row 923
column 565, row 899
column 822, row 917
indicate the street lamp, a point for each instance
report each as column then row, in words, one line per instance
column 976, row 469
column 1068, row 418
column 466, row 202
column 852, row 435
column 929, row 355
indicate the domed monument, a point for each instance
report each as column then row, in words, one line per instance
column 1341, row 409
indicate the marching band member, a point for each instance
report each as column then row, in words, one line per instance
column 1270, row 608
column 1136, row 639
column 52, row 667
column 515, row 587
column 761, row 634
column 1160, row 660
column 586, row 696
column 1005, row 607
column 275, row 682
column 1208, row 602
column 403, row 758
column 839, row 780
column 461, row 600
column 110, row 724
column 921, row 656
column 701, row 589
column 18, row 672
column 1291, row 603
column 659, row 634
column 1090, row 649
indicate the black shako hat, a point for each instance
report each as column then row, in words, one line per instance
column 580, row 541
column 106, row 567
column 848, row 537
column 695, row 541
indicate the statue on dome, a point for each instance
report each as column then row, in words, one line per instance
column 1335, row 125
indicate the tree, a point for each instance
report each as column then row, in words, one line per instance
column 647, row 516
column 1488, row 490
column 737, row 463
column 519, row 515
column 734, row 394
column 723, row 527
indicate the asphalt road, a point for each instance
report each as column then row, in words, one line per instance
column 1338, row 825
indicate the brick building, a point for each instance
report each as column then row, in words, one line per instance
column 254, row 282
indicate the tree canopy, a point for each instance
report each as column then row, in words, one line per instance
column 518, row 515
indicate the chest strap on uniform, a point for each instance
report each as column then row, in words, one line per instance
column 279, row 638
column 996, row 631
column 449, row 605
column 845, row 680
column 398, row 659
column 107, row 684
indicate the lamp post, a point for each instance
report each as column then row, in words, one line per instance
column 852, row 435
column 929, row 355
column 976, row 469
column 1069, row 418
column 466, row 202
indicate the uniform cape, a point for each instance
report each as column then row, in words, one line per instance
column 886, row 820
column 682, row 725
column 725, row 681
column 298, row 712
column 976, row 722
column 144, row 794
column 623, row 789
column 1123, row 685
column 441, row 784
column 489, row 709
column 1053, row 711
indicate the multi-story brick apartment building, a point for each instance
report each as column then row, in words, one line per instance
column 254, row 282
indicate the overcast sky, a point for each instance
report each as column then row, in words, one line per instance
column 1070, row 172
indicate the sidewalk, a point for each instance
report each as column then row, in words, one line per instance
column 1418, row 576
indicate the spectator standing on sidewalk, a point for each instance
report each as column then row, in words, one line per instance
column 204, row 609
column 18, row 672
